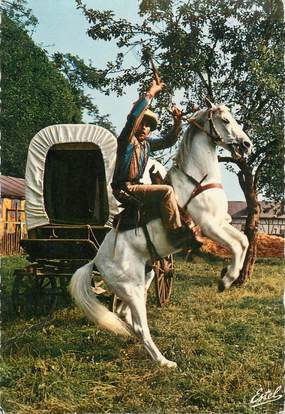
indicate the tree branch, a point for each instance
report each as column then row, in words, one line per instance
column 241, row 181
column 230, row 159
column 259, row 168
column 204, row 82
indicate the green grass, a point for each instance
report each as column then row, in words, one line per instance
column 226, row 345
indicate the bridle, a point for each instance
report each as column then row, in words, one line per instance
column 213, row 134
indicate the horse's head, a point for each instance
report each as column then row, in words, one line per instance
column 226, row 132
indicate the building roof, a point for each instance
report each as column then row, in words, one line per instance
column 11, row 187
column 238, row 209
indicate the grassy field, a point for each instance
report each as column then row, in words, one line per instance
column 227, row 347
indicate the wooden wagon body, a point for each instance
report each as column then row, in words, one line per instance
column 69, row 210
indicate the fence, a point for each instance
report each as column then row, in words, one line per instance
column 13, row 229
column 10, row 243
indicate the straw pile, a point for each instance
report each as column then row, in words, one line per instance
column 267, row 246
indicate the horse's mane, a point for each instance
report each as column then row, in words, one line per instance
column 187, row 139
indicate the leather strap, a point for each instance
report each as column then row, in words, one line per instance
column 151, row 247
column 200, row 188
column 216, row 138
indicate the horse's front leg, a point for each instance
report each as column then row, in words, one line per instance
column 236, row 241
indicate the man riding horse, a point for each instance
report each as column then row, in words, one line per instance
column 134, row 147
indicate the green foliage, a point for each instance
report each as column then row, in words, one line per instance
column 34, row 95
column 230, row 50
column 18, row 11
column 80, row 75
column 38, row 90
column 226, row 345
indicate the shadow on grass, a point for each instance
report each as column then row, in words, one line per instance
column 271, row 261
column 197, row 280
column 254, row 302
column 31, row 308
column 65, row 332
column 198, row 257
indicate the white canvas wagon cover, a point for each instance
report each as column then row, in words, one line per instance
column 42, row 142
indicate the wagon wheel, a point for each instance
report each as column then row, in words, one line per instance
column 63, row 293
column 33, row 295
column 164, row 271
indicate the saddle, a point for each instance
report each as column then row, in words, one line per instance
column 134, row 214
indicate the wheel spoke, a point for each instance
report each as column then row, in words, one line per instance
column 164, row 279
column 32, row 294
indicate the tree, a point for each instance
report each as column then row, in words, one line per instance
column 80, row 75
column 34, row 95
column 35, row 91
column 232, row 51
column 18, row 11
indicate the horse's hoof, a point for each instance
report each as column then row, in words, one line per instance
column 168, row 364
column 221, row 286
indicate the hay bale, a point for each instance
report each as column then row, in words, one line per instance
column 267, row 246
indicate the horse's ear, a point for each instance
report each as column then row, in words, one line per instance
column 209, row 103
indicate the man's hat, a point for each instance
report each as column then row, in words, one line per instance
column 151, row 116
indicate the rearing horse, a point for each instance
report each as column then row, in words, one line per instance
column 123, row 268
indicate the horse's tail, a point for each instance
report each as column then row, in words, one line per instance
column 80, row 290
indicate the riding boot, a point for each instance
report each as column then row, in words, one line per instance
column 186, row 237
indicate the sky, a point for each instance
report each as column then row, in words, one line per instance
column 61, row 27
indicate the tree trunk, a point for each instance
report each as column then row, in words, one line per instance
column 246, row 180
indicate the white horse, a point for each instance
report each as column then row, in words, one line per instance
column 122, row 262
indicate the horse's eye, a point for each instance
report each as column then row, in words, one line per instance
column 226, row 121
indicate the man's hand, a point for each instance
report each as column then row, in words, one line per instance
column 177, row 116
column 155, row 87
